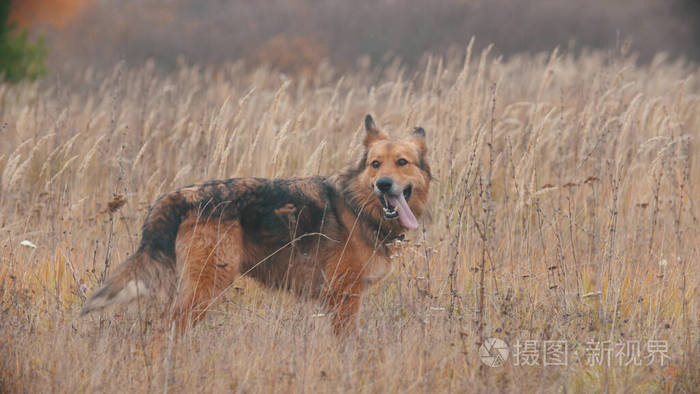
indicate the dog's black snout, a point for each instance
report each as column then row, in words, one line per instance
column 384, row 184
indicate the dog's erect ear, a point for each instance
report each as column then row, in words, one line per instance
column 418, row 137
column 373, row 133
column 418, row 132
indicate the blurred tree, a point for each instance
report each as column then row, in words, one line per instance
column 296, row 55
column 53, row 12
column 20, row 57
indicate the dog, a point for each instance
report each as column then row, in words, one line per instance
column 324, row 237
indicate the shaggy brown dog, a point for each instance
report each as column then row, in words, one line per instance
column 323, row 237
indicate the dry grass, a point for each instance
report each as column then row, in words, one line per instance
column 557, row 177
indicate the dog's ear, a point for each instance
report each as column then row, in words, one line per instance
column 418, row 138
column 373, row 133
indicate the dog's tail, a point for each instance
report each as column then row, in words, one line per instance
column 134, row 278
column 151, row 270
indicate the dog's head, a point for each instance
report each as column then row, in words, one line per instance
column 393, row 176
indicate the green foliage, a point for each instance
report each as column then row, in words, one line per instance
column 20, row 57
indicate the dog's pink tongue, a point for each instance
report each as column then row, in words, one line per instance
column 406, row 217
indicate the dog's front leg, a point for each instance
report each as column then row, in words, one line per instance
column 344, row 303
column 343, row 308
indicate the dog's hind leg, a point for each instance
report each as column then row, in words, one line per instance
column 208, row 261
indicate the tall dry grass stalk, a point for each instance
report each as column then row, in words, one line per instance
column 565, row 207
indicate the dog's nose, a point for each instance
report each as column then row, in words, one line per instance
column 384, row 184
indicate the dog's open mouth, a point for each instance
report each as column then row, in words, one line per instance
column 396, row 206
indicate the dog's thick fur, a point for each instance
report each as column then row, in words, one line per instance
column 323, row 237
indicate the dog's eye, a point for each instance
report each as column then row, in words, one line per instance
column 376, row 164
column 402, row 162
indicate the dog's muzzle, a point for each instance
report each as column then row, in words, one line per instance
column 386, row 189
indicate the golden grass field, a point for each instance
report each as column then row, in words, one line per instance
column 565, row 208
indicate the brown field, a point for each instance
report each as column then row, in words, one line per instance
column 566, row 208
